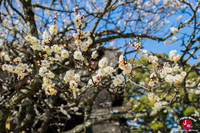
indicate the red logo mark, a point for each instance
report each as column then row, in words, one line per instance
column 187, row 124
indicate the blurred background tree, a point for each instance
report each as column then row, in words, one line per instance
column 145, row 102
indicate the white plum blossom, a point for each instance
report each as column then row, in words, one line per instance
column 56, row 49
column 84, row 47
column 151, row 83
column 173, row 30
column 50, row 74
column 183, row 73
column 168, row 42
column 101, row 71
column 77, row 19
column 10, row 68
column 168, row 69
column 7, row 58
column 34, row 40
column 28, row 37
column 176, row 68
column 77, row 77
column 172, row 53
column 42, row 71
column 121, row 59
column 94, row 55
column 169, row 78
column 53, row 29
column 158, row 105
column 109, row 70
column 78, row 55
column 152, row 58
column 89, row 40
column 163, row 74
column 127, row 69
column 176, row 58
column 69, row 76
column 78, row 42
column 103, row 62
column 119, row 79
column 152, row 97
column 45, row 37
column 178, row 78
column 17, row 59
column 153, row 75
column 4, row 67
column 65, row 54
column 45, row 63
column 174, row 38
column 73, row 84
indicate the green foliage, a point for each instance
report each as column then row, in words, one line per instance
column 156, row 125
column 189, row 111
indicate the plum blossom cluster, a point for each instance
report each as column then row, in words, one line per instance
column 17, row 67
column 104, row 71
column 156, row 100
column 125, row 66
column 39, row 45
column 82, row 46
column 158, row 105
column 152, row 59
column 53, row 53
column 48, row 84
column 172, row 74
column 60, row 53
column 138, row 46
column 152, row 97
column 36, row 45
column 173, row 56
column 72, row 78
column 169, row 73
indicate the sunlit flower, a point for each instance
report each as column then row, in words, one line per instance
column 7, row 58
column 53, row 29
column 45, row 63
column 84, row 47
column 65, row 54
column 4, row 67
column 174, row 38
column 119, row 79
column 78, row 55
column 50, row 74
column 77, row 77
column 151, row 83
column 127, row 69
column 45, row 37
column 78, row 42
column 163, row 74
column 172, row 53
column 101, row 71
column 176, row 68
column 176, row 58
column 94, row 54
column 169, row 78
column 73, row 85
column 10, row 68
column 103, row 62
column 173, row 30
column 168, row 42
column 109, row 70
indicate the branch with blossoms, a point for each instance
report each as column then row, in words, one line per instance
column 63, row 74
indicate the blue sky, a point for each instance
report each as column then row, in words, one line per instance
column 150, row 45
